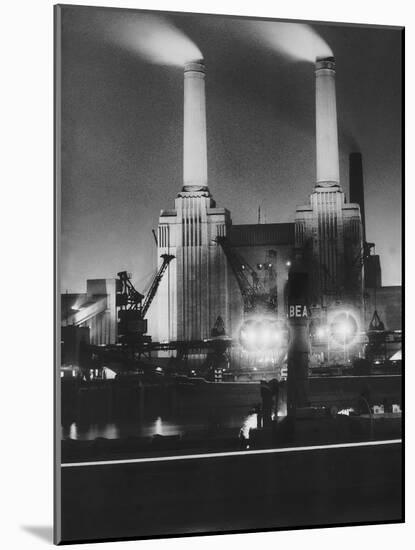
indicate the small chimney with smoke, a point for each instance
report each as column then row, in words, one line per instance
column 327, row 146
column 194, row 131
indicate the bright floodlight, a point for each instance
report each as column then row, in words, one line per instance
column 260, row 335
column 248, row 336
column 322, row 332
column 344, row 328
column 269, row 334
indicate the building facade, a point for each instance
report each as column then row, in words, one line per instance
column 329, row 232
column 195, row 289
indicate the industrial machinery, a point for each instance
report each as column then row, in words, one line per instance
column 382, row 343
column 255, row 296
column 268, row 272
column 262, row 336
column 133, row 306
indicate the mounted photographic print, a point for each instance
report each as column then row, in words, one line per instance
column 228, row 274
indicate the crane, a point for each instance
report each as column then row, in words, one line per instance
column 133, row 306
column 253, row 292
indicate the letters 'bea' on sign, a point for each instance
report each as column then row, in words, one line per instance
column 297, row 311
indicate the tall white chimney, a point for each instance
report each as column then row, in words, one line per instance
column 194, row 134
column 327, row 146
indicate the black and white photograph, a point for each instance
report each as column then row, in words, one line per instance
column 229, row 304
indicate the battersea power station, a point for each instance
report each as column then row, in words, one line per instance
column 201, row 284
column 213, row 276
column 230, row 196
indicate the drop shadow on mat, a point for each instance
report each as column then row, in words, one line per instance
column 43, row 532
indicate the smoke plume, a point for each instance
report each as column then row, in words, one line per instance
column 153, row 38
column 297, row 41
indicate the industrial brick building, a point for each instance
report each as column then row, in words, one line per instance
column 199, row 285
column 95, row 309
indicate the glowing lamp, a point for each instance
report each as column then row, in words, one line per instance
column 260, row 335
column 344, row 328
column 322, row 332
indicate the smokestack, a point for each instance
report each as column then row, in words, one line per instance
column 194, row 134
column 356, row 185
column 327, row 146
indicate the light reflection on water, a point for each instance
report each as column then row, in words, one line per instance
column 92, row 431
column 282, row 407
column 162, row 427
column 114, row 430
column 192, row 420
column 73, row 431
column 154, row 426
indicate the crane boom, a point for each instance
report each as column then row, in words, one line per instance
column 167, row 258
column 237, row 266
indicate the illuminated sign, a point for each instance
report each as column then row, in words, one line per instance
column 297, row 311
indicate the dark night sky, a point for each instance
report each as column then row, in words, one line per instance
column 122, row 136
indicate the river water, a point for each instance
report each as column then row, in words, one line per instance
column 191, row 411
column 164, row 426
